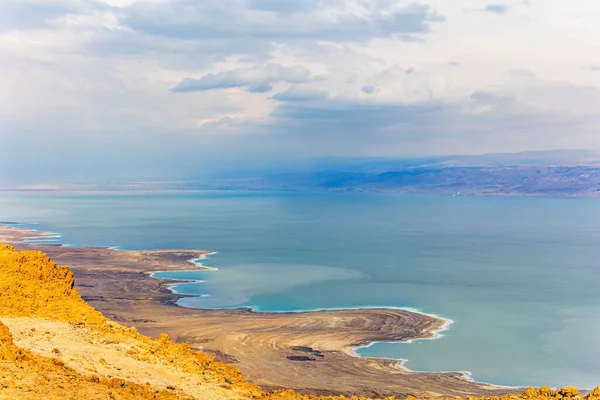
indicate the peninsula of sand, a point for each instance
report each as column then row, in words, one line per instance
column 81, row 344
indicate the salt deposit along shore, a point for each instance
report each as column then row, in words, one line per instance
column 307, row 351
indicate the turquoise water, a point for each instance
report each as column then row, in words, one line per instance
column 520, row 277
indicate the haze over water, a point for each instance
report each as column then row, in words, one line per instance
column 520, row 277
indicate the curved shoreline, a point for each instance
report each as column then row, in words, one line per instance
column 352, row 351
column 119, row 284
column 433, row 335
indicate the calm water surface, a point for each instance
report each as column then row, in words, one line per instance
column 519, row 277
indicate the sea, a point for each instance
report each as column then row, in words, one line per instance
column 519, row 277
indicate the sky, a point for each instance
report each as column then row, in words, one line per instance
column 157, row 89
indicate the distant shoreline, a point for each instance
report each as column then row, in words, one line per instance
column 408, row 191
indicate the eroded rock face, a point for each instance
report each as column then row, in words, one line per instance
column 595, row 394
column 31, row 285
column 531, row 393
column 7, row 351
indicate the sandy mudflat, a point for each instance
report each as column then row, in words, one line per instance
column 11, row 233
column 309, row 351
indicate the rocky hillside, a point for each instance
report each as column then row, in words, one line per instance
column 53, row 345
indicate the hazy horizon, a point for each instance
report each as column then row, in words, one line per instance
column 147, row 89
column 269, row 167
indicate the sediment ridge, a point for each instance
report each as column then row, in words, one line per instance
column 310, row 352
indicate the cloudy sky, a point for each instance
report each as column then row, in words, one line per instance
column 153, row 88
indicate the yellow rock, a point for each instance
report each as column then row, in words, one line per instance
column 530, row 393
column 595, row 394
column 545, row 391
column 567, row 391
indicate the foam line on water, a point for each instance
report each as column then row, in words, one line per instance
column 196, row 262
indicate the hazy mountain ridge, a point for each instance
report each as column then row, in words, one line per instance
column 580, row 181
column 558, row 173
column 561, row 173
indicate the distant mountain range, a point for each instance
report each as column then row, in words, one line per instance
column 561, row 173
column 580, row 181
column 552, row 173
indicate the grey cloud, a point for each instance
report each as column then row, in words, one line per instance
column 34, row 14
column 355, row 114
column 594, row 68
column 120, row 42
column 496, row 8
column 255, row 79
column 350, row 127
column 260, row 88
column 176, row 54
column 187, row 34
column 283, row 6
column 295, row 94
column 228, row 19
column 369, row 89
column 493, row 113
column 487, row 100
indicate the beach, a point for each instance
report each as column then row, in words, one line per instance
column 311, row 352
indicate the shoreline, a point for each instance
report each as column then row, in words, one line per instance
column 182, row 281
column 352, row 351
column 119, row 283
column 583, row 195
column 432, row 335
